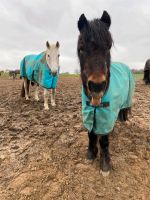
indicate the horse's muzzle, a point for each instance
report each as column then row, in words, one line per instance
column 96, row 91
column 95, row 101
column 96, row 98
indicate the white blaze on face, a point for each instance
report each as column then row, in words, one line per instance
column 52, row 57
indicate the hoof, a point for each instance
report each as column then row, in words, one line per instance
column 92, row 154
column 46, row 108
column 105, row 174
column 105, row 165
column 53, row 104
column 37, row 99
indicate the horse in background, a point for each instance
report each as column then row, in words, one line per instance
column 1, row 73
column 147, row 72
column 41, row 70
column 13, row 73
column 107, row 87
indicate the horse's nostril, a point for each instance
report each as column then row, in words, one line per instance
column 96, row 87
column 54, row 73
column 90, row 85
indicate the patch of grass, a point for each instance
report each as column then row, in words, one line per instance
column 138, row 76
column 4, row 75
column 69, row 75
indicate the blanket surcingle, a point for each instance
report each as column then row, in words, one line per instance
column 35, row 68
column 119, row 95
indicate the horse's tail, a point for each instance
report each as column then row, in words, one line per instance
column 22, row 90
column 23, row 68
column 28, row 85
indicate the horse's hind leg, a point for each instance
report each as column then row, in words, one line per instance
column 26, row 87
column 123, row 114
column 92, row 147
column 37, row 92
column 105, row 162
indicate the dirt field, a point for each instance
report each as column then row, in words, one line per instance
column 43, row 153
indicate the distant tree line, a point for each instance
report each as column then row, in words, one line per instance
column 137, row 71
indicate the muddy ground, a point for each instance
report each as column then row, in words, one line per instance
column 43, row 153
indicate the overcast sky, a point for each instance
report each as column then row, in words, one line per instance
column 26, row 25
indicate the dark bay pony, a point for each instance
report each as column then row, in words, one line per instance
column 147, row 72
column 107, row 87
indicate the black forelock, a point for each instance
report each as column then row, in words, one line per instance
column 97, row 32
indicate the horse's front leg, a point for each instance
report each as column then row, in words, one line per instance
column 37, row 92
column 92, row 147
column 105, row 164
column 53, row 97
column 46, row 96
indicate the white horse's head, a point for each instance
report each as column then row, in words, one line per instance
column 52, row 57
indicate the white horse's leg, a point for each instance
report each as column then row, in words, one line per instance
column 36, row 92
column 53, row 98
column 26, row 88
column 46, row 95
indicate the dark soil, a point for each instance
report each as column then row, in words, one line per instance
column 43, row 153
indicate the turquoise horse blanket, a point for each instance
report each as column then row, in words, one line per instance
column 119, row 95
column 36, row 69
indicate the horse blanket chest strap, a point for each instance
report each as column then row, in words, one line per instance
column 119, row 95
column 35, row 68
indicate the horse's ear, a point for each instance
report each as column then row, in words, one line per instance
column 82, row 22
column 57, row 44
column 47, row 45
column 105, row 18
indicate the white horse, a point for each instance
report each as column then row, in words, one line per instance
column 37, row 68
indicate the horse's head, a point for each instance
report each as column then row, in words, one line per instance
column 52, row 57
column 93, row 49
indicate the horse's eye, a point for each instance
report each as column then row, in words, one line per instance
column 58, row 55
column 48, row 55
column 81, row 50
